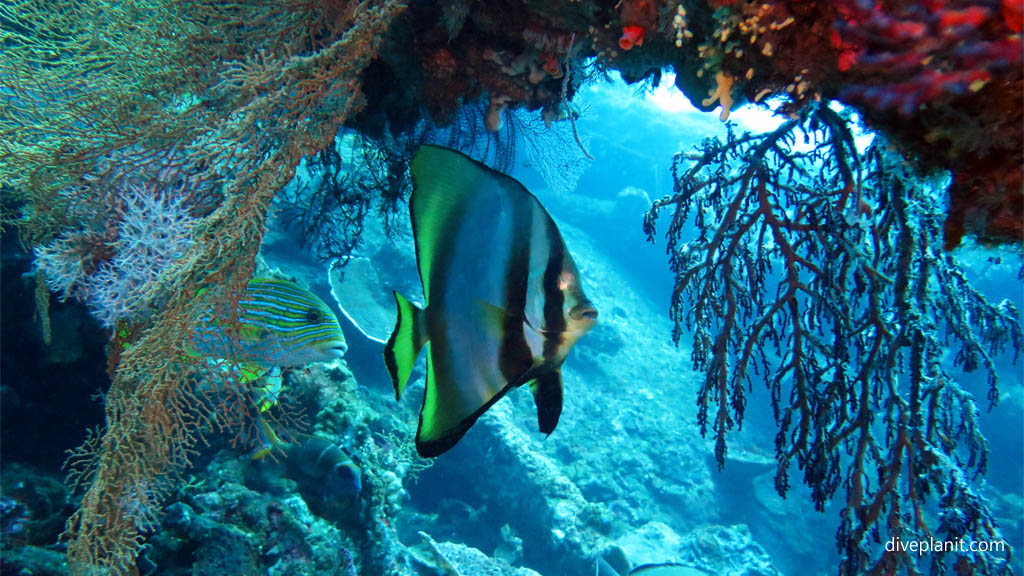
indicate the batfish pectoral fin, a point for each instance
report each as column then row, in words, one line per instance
column 407, row 339
column 547, row 395
column 492, row 318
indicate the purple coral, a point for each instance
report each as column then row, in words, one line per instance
column 153, row 232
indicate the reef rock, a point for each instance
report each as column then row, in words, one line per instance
column 559, row 525
column 233, row 529
column 721, row 550
column 454, row 559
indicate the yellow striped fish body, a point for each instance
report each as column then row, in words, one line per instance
column 280, row 324
column 503, row 298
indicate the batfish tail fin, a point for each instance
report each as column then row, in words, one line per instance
column 547, row 395
column 407, row 339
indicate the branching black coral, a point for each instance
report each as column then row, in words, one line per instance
column 327, row 211
column 803, row 263
column 359, row 173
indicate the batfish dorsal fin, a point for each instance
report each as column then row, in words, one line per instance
column 443, row 182
column 547, row 395
column 407, row 339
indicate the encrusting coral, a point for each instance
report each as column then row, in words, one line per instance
column 922, row 72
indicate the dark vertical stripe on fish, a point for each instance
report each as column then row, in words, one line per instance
column 514, row 356
column 554, row 321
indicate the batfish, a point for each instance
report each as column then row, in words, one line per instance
column 503, row 301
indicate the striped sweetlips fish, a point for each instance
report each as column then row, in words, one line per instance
column 503, row 298
column 280, row 324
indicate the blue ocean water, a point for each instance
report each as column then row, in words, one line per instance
column 626, row 475
column 628, row 439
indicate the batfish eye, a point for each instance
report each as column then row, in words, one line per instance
column 314, row 315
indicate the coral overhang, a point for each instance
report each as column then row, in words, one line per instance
column 942, row 79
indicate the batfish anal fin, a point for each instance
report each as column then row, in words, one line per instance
column 440, row 427
column 407, row 339
column 449, row 409
column 547, row 395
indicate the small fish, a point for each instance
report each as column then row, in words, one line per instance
column 503, row 298
column 321, row 461
column 281, row 324
column 315, row 461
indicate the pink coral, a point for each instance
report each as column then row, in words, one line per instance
column 918, row 53
column 154, row 232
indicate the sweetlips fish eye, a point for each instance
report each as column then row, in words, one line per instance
column 314, row 315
